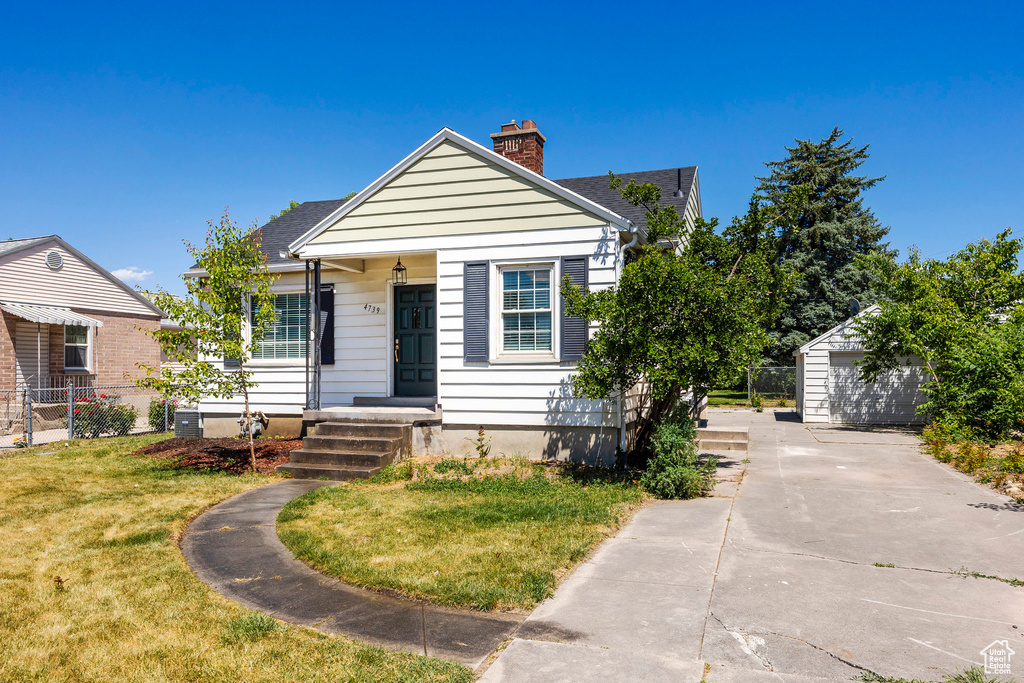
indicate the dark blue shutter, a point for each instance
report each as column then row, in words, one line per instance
column 574, row 329
column 327, row 328
column 475, row 327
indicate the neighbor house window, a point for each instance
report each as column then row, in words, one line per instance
column 526, row 309
column 286, row 338
column 76, row 347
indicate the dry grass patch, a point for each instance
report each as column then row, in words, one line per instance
column 126, row 607
column 491, row 534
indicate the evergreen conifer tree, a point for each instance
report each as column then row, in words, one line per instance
column 824, row 241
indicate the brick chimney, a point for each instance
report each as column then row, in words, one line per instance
column 525, row 145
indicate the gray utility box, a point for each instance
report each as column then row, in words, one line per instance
column 187, row 424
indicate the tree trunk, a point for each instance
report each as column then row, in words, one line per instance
column 248, row 429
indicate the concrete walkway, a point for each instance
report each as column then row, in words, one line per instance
column 234, row 548
column 775, row 577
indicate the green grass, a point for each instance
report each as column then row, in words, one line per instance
column 126, row 607
column 498, row 540
column 727, row 397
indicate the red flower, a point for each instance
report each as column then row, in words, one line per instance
column 77, row 411
column 103, row 395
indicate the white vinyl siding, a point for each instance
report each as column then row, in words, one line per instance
column 286, row 337
column 25, row 277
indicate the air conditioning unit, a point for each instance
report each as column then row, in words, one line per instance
column 187, row 424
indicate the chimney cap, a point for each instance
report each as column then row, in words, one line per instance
column 512, row 129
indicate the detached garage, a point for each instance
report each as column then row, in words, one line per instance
column 829, row 389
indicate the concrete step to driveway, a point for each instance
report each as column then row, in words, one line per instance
column 332, row 472
column 723, row 439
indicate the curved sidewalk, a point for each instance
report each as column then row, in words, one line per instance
column 234, row 548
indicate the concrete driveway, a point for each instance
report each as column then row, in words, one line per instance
column 777, row 577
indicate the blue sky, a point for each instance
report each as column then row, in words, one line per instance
column 124, row 127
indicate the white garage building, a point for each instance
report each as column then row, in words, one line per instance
column 829, row 389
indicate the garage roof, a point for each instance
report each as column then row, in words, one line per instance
column 838, row 329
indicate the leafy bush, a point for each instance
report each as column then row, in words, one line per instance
column 675, row 470
column 98, row 415
column 970, row 457
column 156, row 414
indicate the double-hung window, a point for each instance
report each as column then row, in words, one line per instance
column 286, row 338
column 76, row 347
column 526, row 309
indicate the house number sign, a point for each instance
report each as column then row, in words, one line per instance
column 371, row 308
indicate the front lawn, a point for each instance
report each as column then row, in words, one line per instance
column 493, row 534
column 94, row 588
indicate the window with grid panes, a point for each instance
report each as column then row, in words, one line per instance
column 526, row 310
column 286, row 338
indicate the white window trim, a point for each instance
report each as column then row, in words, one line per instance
column 89, row 339
column 273, row 362
column 497, row 353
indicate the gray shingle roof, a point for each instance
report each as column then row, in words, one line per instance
column 13, row 245
column 597, row 189
column 282, row 231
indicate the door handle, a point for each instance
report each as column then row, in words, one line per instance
column 396, row 349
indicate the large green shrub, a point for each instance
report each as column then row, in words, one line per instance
column 157, row 414
column 675, row 471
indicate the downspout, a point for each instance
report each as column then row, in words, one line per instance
column 634, row 230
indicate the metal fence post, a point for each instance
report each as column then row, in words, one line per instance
column 28, row 415
column 71, row 410
column 165, row 416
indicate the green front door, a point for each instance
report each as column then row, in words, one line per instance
column 415, row 341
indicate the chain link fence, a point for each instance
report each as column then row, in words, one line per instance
column 35, row 416
column 772, row 382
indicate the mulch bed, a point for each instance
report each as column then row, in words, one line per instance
column 222, row 455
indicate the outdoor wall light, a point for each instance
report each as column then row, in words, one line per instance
column 399, row 273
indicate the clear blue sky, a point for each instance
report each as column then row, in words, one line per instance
column 124, row 127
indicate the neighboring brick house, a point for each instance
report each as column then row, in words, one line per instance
column 66, row 319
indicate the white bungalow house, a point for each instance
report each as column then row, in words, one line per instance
column 436, row 289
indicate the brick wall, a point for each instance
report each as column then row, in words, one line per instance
column 8, row 371
column 525, row 145
column 120, row 344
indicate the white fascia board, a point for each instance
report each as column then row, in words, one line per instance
column 274, row 268
column 870, row 310
column 449, row 135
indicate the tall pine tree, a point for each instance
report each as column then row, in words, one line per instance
column 822, row 244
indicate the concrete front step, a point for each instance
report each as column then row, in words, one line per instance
column 374, row 414
column 332, row 472
column 366, row 429
column 352, row 444
column 309, row 456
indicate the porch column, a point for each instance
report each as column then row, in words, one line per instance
column 313, row 334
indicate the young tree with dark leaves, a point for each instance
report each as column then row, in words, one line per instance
column 829, row 232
